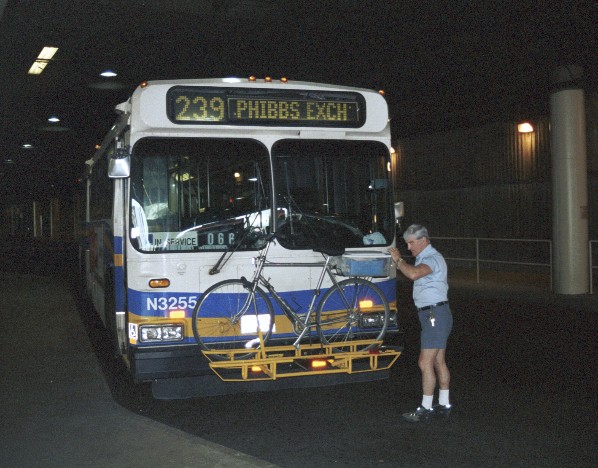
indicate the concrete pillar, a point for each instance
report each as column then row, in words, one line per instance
column 569, row 182
column 37, row 220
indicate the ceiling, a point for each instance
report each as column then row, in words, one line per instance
column 442, row 64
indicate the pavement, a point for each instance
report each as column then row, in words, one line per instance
column 58, row 407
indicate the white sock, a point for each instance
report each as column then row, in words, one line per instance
column 443, row 397
column 427, row 401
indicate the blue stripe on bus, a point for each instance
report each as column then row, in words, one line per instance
column 159, row 304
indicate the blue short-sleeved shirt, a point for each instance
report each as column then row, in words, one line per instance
column 432, row 288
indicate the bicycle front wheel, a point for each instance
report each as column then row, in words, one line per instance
column 356, row 310
column 227, row 317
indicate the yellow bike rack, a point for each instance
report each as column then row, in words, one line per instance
column 275, row 362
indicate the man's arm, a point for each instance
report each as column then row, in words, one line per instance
column 410, row 271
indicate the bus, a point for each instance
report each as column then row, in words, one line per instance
column 188, row 175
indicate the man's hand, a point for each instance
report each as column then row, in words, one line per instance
column 395, row 254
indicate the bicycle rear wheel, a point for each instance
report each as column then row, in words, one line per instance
column 356, row 310
column 227, row 317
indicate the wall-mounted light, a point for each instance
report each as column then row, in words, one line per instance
column 525, row 127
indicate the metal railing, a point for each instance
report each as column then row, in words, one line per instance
column 591, row 265
column 528, row 253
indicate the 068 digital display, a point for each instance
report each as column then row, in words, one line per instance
column 244, row 106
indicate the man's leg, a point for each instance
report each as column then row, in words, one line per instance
column 442, row 371
column 444, row 379
column 426, row 365
column 427, row 359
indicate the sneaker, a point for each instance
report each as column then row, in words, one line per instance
column 442, row 411
column 421, row 414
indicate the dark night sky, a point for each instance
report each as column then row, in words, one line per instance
column 443, row 64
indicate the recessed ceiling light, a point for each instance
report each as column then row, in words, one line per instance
column 108, row 74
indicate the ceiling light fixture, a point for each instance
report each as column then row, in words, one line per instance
column 53, row 119
column 42, row 60
column 108, row 74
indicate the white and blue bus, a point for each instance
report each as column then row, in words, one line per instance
column 191, row 166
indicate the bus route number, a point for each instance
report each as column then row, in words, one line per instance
column 200, row 108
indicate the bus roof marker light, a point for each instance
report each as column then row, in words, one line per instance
column 268, row 79
column 252, row 78
column 284, row 79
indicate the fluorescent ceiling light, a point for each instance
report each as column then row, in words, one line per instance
column 37, row 67
column 47, row 53
column 42, row 60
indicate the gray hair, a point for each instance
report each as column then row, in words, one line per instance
column 416, row 230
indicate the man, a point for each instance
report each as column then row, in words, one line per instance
column 430, row 287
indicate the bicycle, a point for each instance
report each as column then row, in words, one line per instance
column 229, row 313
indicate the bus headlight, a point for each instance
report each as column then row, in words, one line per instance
column 371, row 320
column 158, row 333
column 375, row 320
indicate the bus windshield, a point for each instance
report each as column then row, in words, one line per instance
column 201, row 194
column 190, row 194
column 335, row 193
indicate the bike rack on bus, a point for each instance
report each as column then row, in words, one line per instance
column 275, row 362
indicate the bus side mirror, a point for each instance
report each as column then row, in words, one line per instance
column 399, row 215
column 119, row 165
column 399, row 210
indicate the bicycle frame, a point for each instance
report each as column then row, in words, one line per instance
column 301, row 322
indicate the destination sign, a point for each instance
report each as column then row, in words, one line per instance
column 242, row 106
